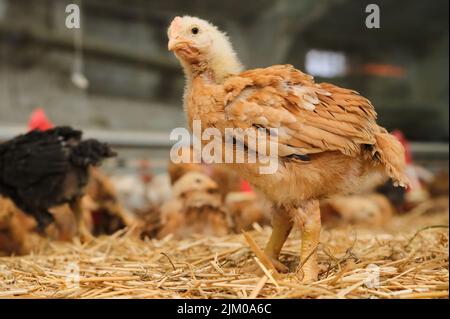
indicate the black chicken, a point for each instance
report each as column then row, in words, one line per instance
column 40, row 170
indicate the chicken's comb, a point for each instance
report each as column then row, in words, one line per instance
column 175, row 25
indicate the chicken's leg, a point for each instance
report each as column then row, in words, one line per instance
column 309, row 221
column 82, row 229
column 281, row 227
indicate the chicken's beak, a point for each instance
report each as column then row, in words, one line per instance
column 177, row 42
column 172, row 44
column 211, row 186
column 173, row 32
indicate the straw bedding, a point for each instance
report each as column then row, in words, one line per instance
column 410, row 255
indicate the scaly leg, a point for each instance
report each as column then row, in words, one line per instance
column 82, row 230
column 281, row 227
column 309, row 221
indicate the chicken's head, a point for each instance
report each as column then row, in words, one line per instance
column 196, row 190
column 202, row 47
column 194, row 181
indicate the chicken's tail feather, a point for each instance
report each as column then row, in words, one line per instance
column 391, row 154
column 91, row 152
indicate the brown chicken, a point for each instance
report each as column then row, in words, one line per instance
column 177, row 170
column 438, row 185
column 15, row 229
column 102, row 201
column 195, row 209
column 227, row 180
column 247, row 208
column 65, row 226
column 327, row 138
column 369, row 209
column 102, row 213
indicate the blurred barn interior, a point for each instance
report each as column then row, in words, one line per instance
column 114, row 78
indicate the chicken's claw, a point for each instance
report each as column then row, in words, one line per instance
column 256, row 269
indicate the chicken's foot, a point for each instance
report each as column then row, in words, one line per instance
column 309, row 222
column 281, row 227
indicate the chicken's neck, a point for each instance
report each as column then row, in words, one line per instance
column 211, row 72
column 215, row 69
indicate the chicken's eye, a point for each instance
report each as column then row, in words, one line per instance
column 195, row 30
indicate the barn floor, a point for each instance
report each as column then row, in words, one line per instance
column 410, row 254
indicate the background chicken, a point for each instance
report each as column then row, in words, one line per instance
column 102, row 212
column 64, row 227
column 195, row 209
column 368, row 209
column 40, row 170
column 227, row 180
column 247, row 208
column 102, row 201
column 328, row 140
column 136, row 195
column 15, row 229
